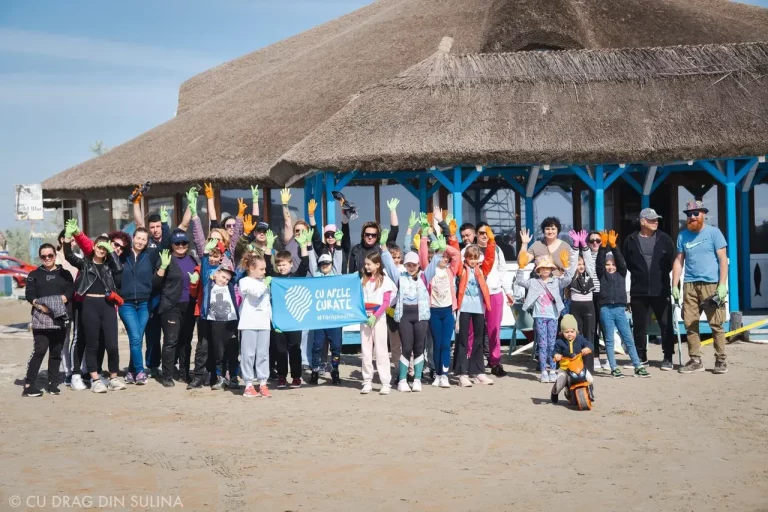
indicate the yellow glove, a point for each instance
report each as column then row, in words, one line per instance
column 248, row 224
column 285, row 196
column 416, row 240
column 241, row 207
column 391, row 312
column 208, row 190
column 312, row 206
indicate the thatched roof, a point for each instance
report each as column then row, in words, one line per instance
column 236, row 120
column 587, row 106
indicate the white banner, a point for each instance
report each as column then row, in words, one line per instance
column 29, row 202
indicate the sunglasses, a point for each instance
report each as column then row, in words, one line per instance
column 181, row 244
column 118, row 246
column 482, row 233
column 371, row 235
column 692, row 214
column 297, row 231
column 329, row 234
column 229, row 226
column 47, row 256
column 594, row 240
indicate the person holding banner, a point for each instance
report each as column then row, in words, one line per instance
column 378, row 293
column 326, row 267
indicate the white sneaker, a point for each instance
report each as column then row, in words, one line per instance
column 417, row 385
column 598, row 366
column 77, row 383
column 552, row 376
column 464, row 382
column 544, row 377
column 444, row 382
column 367, row 388
column 403, row 387
column 115, row 384
column 385, row 389
column 98, row 386
column 438, row 379
column 483, row 379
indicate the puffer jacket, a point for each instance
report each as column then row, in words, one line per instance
column 87, row 273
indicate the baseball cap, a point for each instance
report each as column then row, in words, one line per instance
column 330, row 227
column 325, row 258
column 179, row 236
column 411, row 257
column 649, row 214
column 262, row 226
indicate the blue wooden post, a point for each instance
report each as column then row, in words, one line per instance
column 599, row 199
column 529, row 217
column 317, row 195
column 458, row 204
column 423, row 193
column 746, row 268
column 730, row 209
column 330, row 202
column 309, row 183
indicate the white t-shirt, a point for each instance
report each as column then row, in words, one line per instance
column 373, row 295
column 256, row 308
column 497, row 279
column 441, row 289
column 220, row 306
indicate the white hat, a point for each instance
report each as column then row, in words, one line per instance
column 411, row 257
column 325, row 258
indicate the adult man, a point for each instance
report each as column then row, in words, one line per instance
column 702, row 249
column 649, row 254
column 467, row 232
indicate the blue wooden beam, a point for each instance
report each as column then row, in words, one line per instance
column 488, row 196
column 447, row 183
column 410, row 188
column 599, row 189
column 714, row 172
column 614, row 176
column 541, row 185
column 433, row 189
column 330, row 202
column 344, row 181
column 473, row 175
column 457, row 194
column 584, row 176
column 745, row 169
column 516, row 186
column 746, row 270
column 633, row 183
column 471, row 201
column 660, row 179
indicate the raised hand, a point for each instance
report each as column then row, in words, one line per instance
column 453, row 226
column 523, row 259
column 392, row 204
column 137, row 198
column 565, row 259
column 105, row 245
column 268, row 281
column 192, row 197
column 583, row 235
column 437, row 214
column 270, row 240
column 575, row 237
column 525, row 237
column 435, row 246
column 165, row 259
column 338, row 235
column 248, row 224
column 412, row 220
column 384, row 236
column 285, row 196
column 442, row 245
column 311, row 207
column 71, row 229
column 194, row 277
column 255, row 194
column 604, row 238
column 208, row 189
column 424, row 221
column 164, row 212
column 612, row 237
column 241, row 207
column 416, row 240
column 211, row 245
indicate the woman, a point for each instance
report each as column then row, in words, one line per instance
column 593, row 245
column 369, row 238
column 49, row 289
column 96, row 284
column 550, row 245
column 135, row 284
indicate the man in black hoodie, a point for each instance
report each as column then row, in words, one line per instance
column 649, row 254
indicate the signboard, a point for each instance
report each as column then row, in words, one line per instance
column 29, row 202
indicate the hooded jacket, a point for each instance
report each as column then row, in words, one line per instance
column 653, row 282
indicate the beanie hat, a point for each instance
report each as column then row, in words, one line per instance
column 569, row 322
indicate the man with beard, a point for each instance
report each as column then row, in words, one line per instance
column 702, row 249
column 649, row 254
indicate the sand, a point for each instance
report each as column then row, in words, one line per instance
column 673, row 442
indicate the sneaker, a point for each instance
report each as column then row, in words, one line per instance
column 168, row 383
column 154, row 373
column 115, row 384
column 282, row 383
column 694, row 365
column 196, row 383
column 464, row 382
column 273, row 375
column 444, row 382
column 367, row 388
column 129, row 379
column 77, row 383
column 313, row 380
column 437, row 381
column 616, row 374
column 483, row 379
column 250, row 392
column 629, row 366
column 264, row 391
column 99, row 386
column 141, row 379
column 641, row 372
column 296, row 383
column 232, row 383
column 385, row 389
column 552, row 376
column 31, row 391
column 219, row 384
column 544, row 377
column 604, row 364
column 498, row 371
column 645, row 363
column 335, row 379
column 53, row 389
column 720, row 366
column 417, row 386
column 68, row 381
column 598, row 365
column 666, row 365
column 403, row 386
column 554, row 398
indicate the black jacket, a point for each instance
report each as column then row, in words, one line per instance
column 301, row 271
column 44, row 283
column 135, row 281
column 88, row 274
column 613, row 287
column 656, row 282
column 170, row 284
column 356, row 259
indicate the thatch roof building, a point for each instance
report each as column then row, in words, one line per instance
column 236, row 120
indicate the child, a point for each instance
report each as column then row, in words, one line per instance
column 582, row 289
column 612, row 271
column 473, row 300
column 288, row 344
column 440, row 274
column 545, row 297
column 572, row 344
column 255, row 324
column 378, row 293
column 324, row 267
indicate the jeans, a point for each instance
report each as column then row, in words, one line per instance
column 442, row 323
column 318, row 344
column 614, row 316
column 135, row 316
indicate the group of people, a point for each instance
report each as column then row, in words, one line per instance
column 445, row 282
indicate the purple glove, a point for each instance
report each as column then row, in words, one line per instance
column 583, row 235
column 575, row 237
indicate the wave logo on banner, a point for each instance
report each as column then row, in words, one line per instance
column 298, row 300
column 311, row 303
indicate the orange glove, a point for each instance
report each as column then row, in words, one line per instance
column 489, row 232
column 138, row 195
column 248, row 224
column 311, row 207
column 565, row 259
column 241, row 207
column 453, row 227
column 604, row 238
column 523, row 259
column 208, row 190
column 612, row 236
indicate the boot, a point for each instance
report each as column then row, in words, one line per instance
column 335, row 379
column 197, row 382
column 313, row 379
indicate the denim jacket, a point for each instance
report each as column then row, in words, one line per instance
column 536, row 287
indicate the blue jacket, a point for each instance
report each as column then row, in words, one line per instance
column 564, row 348
column 136, row 279
column 206, row 271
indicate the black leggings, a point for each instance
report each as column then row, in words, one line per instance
column 212, row 340
column 51, row 341
column 287, row 349
column 464, row 363
column 413, row 337
column 585, row 319
column 100, row 318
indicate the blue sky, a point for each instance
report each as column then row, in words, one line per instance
column 75, row 71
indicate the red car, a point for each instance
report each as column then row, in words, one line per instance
column 15, row 268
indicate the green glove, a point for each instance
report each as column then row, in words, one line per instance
column 192, row 201
column 384, row 236
column 278, row 331
column 212, row 243
column 676, row 293
column 392, row 204
column 448, row 218
column 255, row 194
column 105, row 245
column 270, row 240
column 441, row 243
column 424, row 221
column 268, row 281
column 338, row 235
column 164, row 214
column 412, row 220
column 306, row 237
column 71, row 228
column 371, row 320
column 165, row 259
column 435, row 245
column 194, row 277
column 722, row 292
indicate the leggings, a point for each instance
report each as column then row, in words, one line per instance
column 469, row 363
column 100, row 317
column 287, row 350
column 584, row 312
column 442, row 323
column 413, row 336
column 546, row 334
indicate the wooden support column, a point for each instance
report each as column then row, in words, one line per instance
column 733, row 266
column 746, row 220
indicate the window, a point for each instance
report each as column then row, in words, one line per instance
column 154, row 207
column 554, row 201
column 98, row 217
column 122, row 215
column 408, row 204
column 296, row 206
column 759, row 239
column 586, row 210
column 710, row 201
column 202, row 209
